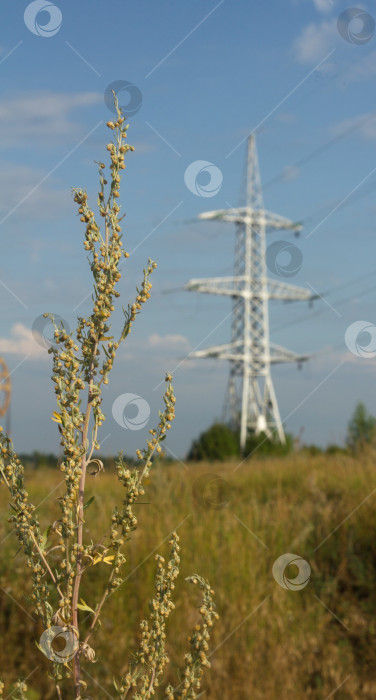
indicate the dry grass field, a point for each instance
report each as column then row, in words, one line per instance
column 316, row 643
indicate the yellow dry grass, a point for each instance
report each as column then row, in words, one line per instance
column 270, row 642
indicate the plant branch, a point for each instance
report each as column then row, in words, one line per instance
column 80, row 521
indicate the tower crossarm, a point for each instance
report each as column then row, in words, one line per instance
column 280, row 222
column 237, row 215
column 236, row 287
column 228, row 286
column 244, row 215
column 234, row 352
column 227, row 351
column 284, row 290
column 279, row 354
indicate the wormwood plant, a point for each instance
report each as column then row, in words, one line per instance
column 60, row 558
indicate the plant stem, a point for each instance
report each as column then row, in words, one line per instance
column 45, row 562
column 80, row 523
column 152, row 681
column 99, row 608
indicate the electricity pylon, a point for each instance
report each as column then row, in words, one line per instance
column 251, row 402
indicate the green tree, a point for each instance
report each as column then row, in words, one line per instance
column 361, row 428
column 218, row 442
column 262, row 445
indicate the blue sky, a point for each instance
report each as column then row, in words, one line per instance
column 209, row 73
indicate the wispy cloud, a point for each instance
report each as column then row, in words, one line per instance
column 315, row 41
column 290, row 173
column 323, row 6
column 286, row 118
column 362, row 70
column 22, row 343
column 170, row 341
column 41, row 115
column 365, row 123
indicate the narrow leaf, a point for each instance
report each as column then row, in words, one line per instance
column 56, row 417
column 85, row 606
column 90, row 501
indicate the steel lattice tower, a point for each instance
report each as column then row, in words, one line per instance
column 251, row 402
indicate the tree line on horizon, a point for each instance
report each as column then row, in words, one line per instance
column 220, row 442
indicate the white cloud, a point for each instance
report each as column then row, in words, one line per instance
column 170, row 341
column 287, row 118
column 362, row 70
column 22, row 342
column 315, row 41
column 323, row 5
column 365, row 123
column 290, row 173
column 143, row 147
column 41, row 115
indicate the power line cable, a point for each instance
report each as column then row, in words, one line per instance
column 321, row 311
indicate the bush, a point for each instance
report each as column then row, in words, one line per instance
column 336, row 450
column 312, row 450
column 218, row 442
column 361, row 429
column 262, row 445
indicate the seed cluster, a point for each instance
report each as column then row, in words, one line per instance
column 124, row 521
column 19, row 690
column 149, row 662
column 196, row 660
column 67, row 377
column 25, row 523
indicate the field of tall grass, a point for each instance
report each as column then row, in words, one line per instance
column 317, row 643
